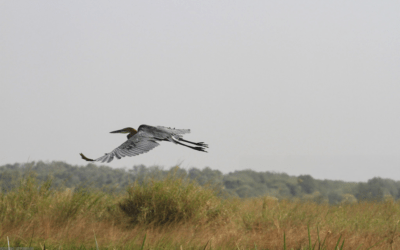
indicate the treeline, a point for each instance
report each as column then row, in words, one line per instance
column 243, row 184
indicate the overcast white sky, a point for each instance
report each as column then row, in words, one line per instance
column 302, row 87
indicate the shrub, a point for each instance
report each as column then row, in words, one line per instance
column 170, row 200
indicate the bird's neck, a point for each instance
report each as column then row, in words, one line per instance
column 132, row 132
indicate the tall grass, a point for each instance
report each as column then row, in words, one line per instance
column 172, row 200
column 174, row 213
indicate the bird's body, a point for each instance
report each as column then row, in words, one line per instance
column 145, row 139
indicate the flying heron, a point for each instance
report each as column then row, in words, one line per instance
column 145, row 139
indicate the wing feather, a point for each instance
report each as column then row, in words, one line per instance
column 140, row 143
column 173, row 130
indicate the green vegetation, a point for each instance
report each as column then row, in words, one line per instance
column 174, row 212
column 172, row 200
column 243, row 184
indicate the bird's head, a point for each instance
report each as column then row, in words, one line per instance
column 125, row 131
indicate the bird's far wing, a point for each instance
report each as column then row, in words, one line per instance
column 173, row 130
column 137, row 144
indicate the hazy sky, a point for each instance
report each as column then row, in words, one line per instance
column 302, row 87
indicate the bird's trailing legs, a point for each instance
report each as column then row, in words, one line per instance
column 201, row 148
column 201, row 144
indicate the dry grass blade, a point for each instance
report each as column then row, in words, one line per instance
column 97, row 246
column 338, row 241
column 284, row 241
column 206, row 245
column 144, row 240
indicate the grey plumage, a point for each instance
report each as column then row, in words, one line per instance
column 145, row 139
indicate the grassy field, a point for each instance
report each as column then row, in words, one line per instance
column 176, row 214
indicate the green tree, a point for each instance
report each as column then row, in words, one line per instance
column 307, row 183
column 372, row 190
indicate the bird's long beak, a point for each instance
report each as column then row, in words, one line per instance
column 118, row 131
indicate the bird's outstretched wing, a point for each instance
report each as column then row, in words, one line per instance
column 138, row 144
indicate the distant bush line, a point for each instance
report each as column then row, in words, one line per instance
column 243, row 184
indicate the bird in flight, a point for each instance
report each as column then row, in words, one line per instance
column 145, row 139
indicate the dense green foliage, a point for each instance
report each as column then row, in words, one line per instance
column 244, row 184
column 171, row 200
